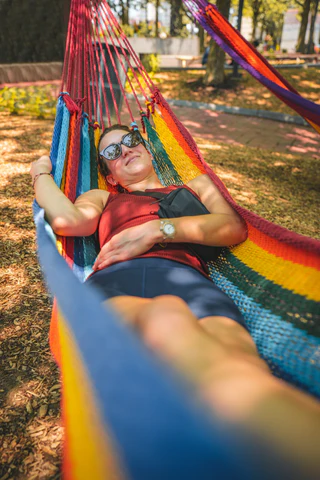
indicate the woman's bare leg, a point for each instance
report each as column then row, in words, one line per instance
column 128, row 307
column 222, row 362
column 219, row 357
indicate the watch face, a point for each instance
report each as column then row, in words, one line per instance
column 169, row 229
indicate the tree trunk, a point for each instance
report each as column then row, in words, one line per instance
column 256, row 10
column 157, row 18
column 303, row 27
column 146, row 12
column 280, row 31
column 215, row 67
column 176, row 18
column 201, row 38
column 314, row 13
column 125, row 12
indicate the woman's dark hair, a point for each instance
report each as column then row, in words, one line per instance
column 101, row 161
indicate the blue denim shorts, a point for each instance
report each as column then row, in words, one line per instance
column 150, row 277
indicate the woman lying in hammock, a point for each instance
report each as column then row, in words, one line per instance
column 142, row 256
column 167, row 295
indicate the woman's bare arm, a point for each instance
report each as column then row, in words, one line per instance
column 223, row 227
column 66, row 218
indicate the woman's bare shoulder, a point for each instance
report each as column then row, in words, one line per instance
column 210, row 195
column 200, row 182
column 97, row 196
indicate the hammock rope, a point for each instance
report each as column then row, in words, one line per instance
column 273, row 277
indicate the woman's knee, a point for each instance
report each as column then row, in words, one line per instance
column 172, row 302
column 164, row 316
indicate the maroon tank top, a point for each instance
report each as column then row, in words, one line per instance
column 123, row 211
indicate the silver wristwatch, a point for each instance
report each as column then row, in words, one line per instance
column 168, row 229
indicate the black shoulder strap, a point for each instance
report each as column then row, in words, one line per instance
column 157, row 195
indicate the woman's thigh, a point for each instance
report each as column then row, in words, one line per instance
column 136, row 311
column 128, row 307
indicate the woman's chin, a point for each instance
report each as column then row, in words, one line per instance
column 136, row 167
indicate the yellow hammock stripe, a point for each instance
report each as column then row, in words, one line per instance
column 180, row 160
column 302, row 280
column 59, row 245
column 101, row 181
column 89, row 451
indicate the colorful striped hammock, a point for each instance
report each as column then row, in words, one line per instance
column 117, row 417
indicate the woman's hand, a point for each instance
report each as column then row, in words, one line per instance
column 42, row 165
column 128, row 244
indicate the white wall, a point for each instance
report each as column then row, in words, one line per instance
column 167, row 46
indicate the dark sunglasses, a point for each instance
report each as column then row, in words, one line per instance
column 114, row 150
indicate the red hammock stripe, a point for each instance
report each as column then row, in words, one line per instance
column 175, row 127
column 282, row 250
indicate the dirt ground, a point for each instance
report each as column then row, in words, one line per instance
column 31, row 430
column 285, row 191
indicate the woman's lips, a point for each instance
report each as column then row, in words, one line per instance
column 131, row 159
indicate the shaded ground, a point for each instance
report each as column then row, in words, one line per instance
column 281, row 186
column 30, row 426
column 246, row 92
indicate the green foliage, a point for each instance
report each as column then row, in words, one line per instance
column 269, row 14
column 32, row 31
column 37, row 101
column 151, row 62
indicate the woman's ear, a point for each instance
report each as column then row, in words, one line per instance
column 111, row 180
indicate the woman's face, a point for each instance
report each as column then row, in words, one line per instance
column 133, row 165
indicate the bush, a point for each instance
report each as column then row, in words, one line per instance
column 150, row 62
column 128, row 30
column 38, row 101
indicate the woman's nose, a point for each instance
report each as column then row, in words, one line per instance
column 125, row 150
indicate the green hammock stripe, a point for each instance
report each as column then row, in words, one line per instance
column 93, row 160
column 167, row 170
column 292, row 307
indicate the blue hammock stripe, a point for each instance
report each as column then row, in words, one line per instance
column 61, row 144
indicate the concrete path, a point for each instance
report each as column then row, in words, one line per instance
column 255, row 132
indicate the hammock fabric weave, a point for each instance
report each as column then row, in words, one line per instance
column 110, row 396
